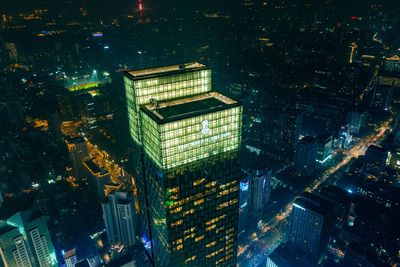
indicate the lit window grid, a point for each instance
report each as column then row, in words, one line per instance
column 152, row 138
column 140, row 92
column 194, row 238
column 181, row 142
column 172, row 86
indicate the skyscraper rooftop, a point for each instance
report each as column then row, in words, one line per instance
column 165, row 70
column 188, row 107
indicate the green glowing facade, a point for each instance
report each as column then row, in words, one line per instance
column 25, row 241
column 174, row 143
column 163, row 83
column 188, row 175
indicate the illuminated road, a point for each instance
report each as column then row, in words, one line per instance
column 100, row 157
column 356, row 151
column 246, row 257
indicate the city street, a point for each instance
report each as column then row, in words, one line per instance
column 262, row 242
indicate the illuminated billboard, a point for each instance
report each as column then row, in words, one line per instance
column 184, row 131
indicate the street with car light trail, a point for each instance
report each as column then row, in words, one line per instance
column 280, row 221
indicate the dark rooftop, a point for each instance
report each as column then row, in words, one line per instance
column 6, row 228
column 92, row 166
column 308, row 140
column 188, row 107
column 82, row 263
column 191, row 107
column 94, row 169
column 324, row 138
column 164, row 70
column 314, row 203
column 75, row 140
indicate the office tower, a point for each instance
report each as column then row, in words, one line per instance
column 54, row 123
column 70, row 258
column 244, row 202
column 341, row 202
column 162, row 83
column 383, row 96
column 380, row 193
column 306, row 155
column 392, row 64
column 259, row 191
column 389, row 75
column 283, row 128
column 357, row 120
column 344, row 138
column 25, row 241
column 96, row 177
column 89, row 112
column 119, row 218
column 158, row 84
column 187, row 185
column 396, row 133
column 310, row 225
column 78, row 152
column 191, row 147
column 324, row 148
column 376, row 158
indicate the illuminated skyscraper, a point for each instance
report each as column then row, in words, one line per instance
column 119, row 218
column 163, row 83
column 78, row 152
column 70, row 258
column 259, row 191
column 187, row 182
column 306, row 155
column 25, row 241
column 96, row 178
column 310, row 224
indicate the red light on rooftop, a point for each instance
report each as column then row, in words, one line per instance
column 355, row 18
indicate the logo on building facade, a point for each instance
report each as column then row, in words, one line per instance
column 205, row 127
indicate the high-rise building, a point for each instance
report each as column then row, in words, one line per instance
column 341, row 201
column 396, row 135
column 119, row 218
column 54, row 123
column 78, row 152
column 392, row 64
column 162, row 83
column 89, row 112
column 244, row 202
column 324, row 152
column 306, row 155
column 70, row 258
column 343, row 139
column 25, row 241
column 259, row 191
column 283, row 128
column 383, row 96
column 356, row 120
column 389, row 75
column 96, row 177
column 188, row 181
column 310, row 224
column 376, row 158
